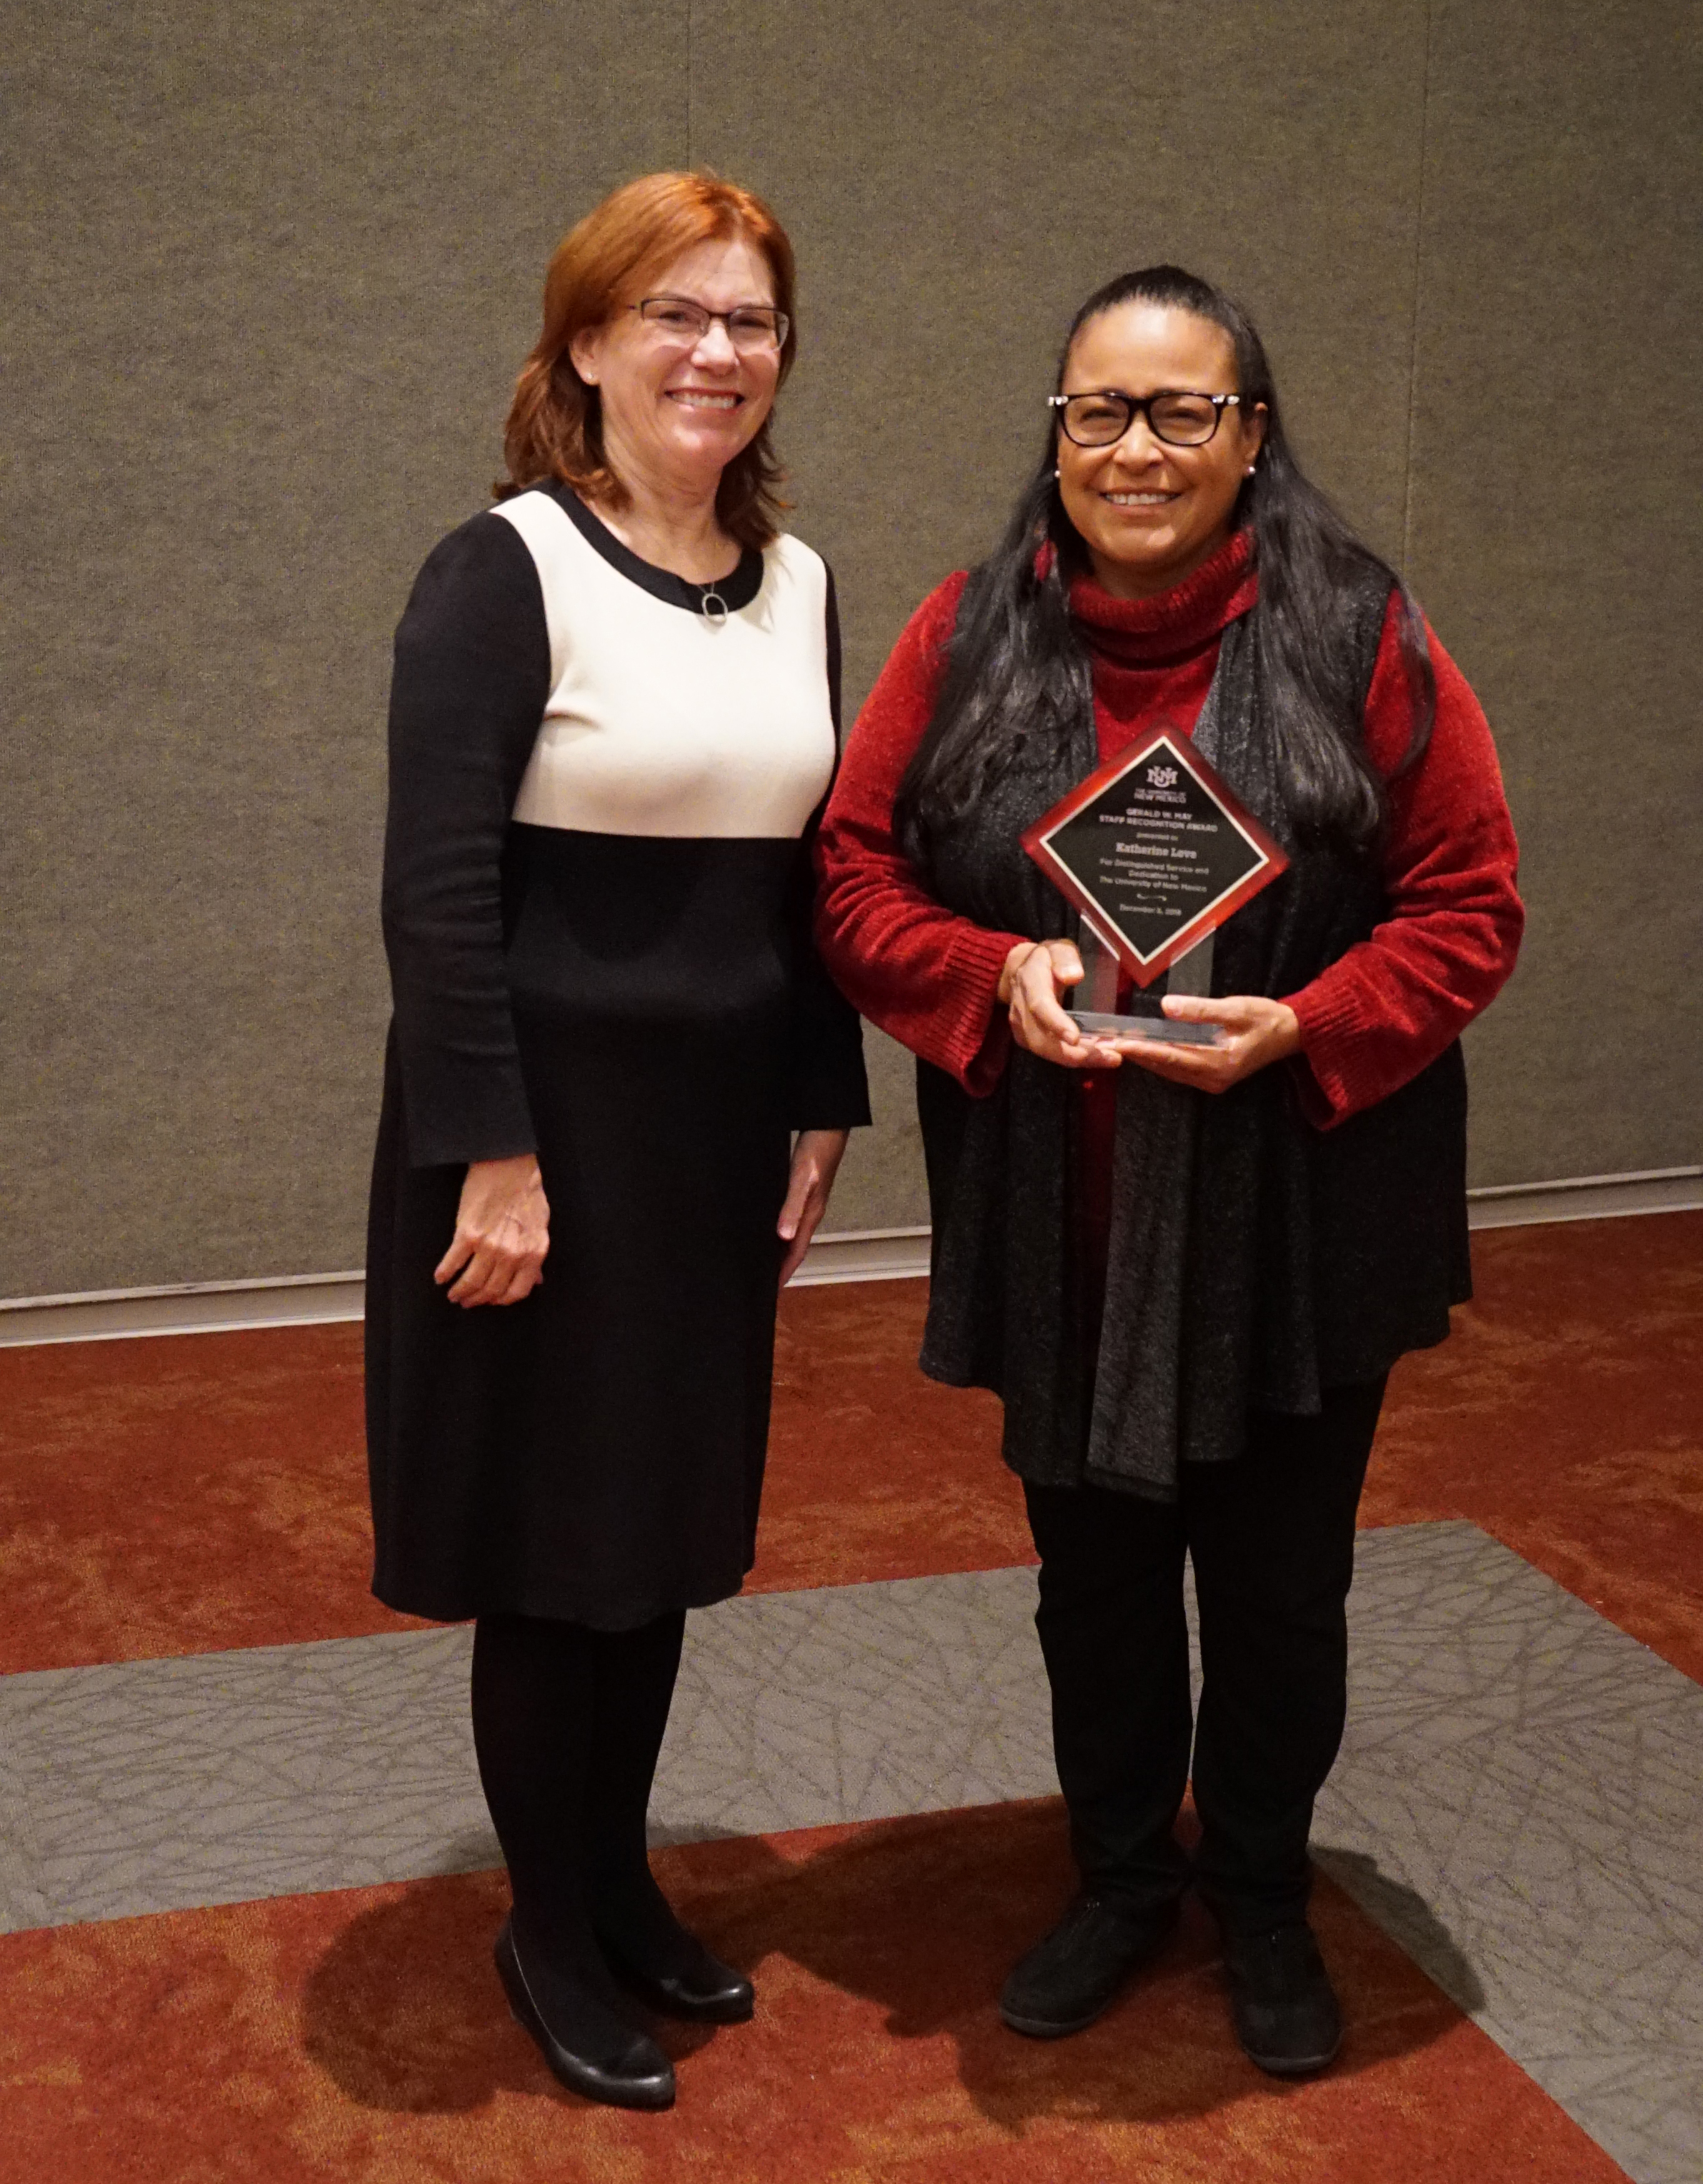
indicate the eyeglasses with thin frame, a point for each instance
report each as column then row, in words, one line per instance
column 1180, row 419
column 752, row 328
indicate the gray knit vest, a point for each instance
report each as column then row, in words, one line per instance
column 1254, row 1261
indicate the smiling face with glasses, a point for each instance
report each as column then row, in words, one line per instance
column 1153, row 444
column 686, row 373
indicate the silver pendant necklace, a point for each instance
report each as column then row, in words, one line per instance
column 711, row 605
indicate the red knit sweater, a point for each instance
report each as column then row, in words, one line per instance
column 1370, row 1021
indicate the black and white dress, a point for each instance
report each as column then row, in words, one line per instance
column 597, row 898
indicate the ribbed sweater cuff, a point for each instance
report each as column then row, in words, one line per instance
column 1332, row 1022
column 978, row 1040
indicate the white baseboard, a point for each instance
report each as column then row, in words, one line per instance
column 190, row 1308
column 854, row 1255
column 1586, row 1198
column 865, row 1255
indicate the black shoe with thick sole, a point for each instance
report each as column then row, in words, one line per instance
column 1067, row 1980
column 1287, row 2015
column 608, row 2061
column 695, row 1984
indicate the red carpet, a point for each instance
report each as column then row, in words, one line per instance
column 362, row 2038
column 184, row 1494
column 180, row 1494
column 1564, row 1416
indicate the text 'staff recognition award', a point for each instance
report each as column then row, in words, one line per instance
column 1155, row 851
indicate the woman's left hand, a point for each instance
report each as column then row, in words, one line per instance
column 815, row 1160
column 1257, row 1031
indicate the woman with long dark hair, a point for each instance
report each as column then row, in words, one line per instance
column 1186, row 1268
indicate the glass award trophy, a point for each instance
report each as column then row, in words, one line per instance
column 1155, row 851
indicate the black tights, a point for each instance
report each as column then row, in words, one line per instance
column 567, row 1724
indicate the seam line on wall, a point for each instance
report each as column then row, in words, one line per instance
column 1418, row 276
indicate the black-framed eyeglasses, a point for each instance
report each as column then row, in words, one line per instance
column 752, row 328
column 1180, row 419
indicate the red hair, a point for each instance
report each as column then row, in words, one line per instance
column 553, row 428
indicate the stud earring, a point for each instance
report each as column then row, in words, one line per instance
column 1055, row 474
column 1248, row 472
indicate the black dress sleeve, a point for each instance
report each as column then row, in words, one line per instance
column 829, row 1089
column 470, row 680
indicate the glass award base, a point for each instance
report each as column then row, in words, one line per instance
column 1095, row 1005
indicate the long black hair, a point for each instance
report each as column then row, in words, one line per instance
column 1018, row 669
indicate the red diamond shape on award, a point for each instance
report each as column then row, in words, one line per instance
column 1156, row 851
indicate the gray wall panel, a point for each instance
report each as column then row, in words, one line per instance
column 1554, row 538
column 957, row 180
column 271, row 273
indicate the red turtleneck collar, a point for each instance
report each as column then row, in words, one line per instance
column 1146, row 633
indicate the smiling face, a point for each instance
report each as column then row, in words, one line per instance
column 675, row 415
column 1150, row 514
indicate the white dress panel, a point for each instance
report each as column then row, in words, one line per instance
column 663, row 722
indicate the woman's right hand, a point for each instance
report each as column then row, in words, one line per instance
column 502, row 1233
column 1035, row 975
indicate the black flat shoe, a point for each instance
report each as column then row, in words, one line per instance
column 1067, row 1980
column 612, row 2063
column 1287, row 2015
column 697, row 1987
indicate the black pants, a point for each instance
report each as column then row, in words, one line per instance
column 1272, row 1537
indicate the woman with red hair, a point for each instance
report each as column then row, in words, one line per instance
column 613, row 723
